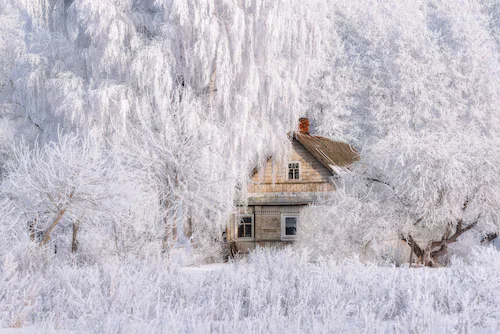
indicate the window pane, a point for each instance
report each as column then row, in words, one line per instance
column 245, row 227
column 291, row 231
column 291, row 226
column 293, row 171
column 248, row 231
column 241, row 232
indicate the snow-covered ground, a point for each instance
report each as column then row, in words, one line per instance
column 203, row 269
column 270, row 292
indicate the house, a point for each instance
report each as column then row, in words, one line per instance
column 278, row 192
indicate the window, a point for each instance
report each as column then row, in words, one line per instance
column 244, row 226
column 289, row 225
column 293, row 171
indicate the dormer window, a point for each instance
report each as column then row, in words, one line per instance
column 294, row 171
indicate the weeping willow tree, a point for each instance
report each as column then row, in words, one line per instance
column 195, row 92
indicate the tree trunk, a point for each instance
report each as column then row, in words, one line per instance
column 412, row 249
column 74, row 242
column 168, row 229
column 436, row 249
column 212, row 82
column 415, row 249
column 46, row 236
column 431, row 256
column 32, row 230
column 189, row 227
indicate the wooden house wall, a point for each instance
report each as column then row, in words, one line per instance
column 267, row 225
column 314, row 177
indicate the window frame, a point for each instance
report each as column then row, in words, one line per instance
column 285, row 237
column 287, row 171
column 236, row 224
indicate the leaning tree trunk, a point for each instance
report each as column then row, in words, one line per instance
column 434, row 253
column 60, row 214
column 46, row 236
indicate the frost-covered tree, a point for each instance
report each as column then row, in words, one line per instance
column 76, row 186
column 196, row 92
column 11, row 43
column 108, row 66
column 11, row 47
column 182, row 153
column 415, row 86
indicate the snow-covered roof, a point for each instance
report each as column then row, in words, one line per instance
column 332, row 154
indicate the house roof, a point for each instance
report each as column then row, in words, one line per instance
column 331, row 154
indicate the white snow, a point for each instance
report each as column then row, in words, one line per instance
column 123, row 120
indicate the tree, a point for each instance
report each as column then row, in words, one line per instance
column 11, row 47
column 11, row 44
column 122, row 69
column 416, row 92
column 76, row 184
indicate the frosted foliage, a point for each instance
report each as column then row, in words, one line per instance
column 6, row 139
column 77, row 182
column 344, row 231
column 418, row 66
column 11, row 44
column 274, row 292
column 194, row 93
column 128, row 127
column 113, row 66
column 414, row 86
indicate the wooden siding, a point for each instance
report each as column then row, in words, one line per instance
column 291, row 187
column 267, row 223
column 314, row 176
column 271, row 195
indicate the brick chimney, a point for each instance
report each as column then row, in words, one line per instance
column 304, row 125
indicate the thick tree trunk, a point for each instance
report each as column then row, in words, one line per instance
column 433, row 254
column 435, row 250
column 189, row 227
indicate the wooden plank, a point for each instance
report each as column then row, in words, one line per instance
column 311, row 169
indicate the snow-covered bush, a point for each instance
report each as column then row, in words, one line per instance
column 6, row 141
column 352, row 222
column 274, row 291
